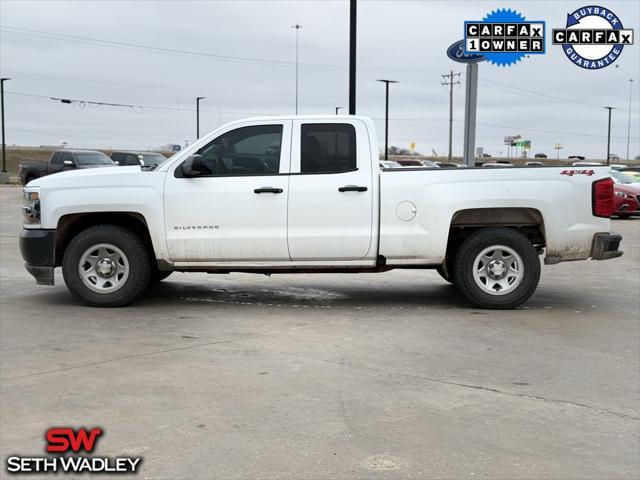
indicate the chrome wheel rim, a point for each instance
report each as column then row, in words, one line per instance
column 103, row 268
column 498, row 270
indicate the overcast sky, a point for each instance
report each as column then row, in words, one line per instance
column 243, row 61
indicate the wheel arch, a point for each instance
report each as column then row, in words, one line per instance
column 71, row 224
column 528, row 221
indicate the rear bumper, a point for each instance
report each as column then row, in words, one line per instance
column 38, row 251
column 605, row 246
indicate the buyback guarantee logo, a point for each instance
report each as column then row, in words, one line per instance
column 593, row 37
column 68, row 444
column 504, row 37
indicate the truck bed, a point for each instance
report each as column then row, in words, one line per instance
column 557, row 199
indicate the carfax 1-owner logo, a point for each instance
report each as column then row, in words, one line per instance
column 64, row 446
column 504, row 37
column 593, row 37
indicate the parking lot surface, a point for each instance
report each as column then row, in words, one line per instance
column 331, row 376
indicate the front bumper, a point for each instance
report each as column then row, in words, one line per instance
column 605, row 246
column 38, row 248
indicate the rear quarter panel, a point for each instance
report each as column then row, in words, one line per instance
column 564, row 202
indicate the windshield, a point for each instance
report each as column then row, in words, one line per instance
column 622, row 178
column 93, row 158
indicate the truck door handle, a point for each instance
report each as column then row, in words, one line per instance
column 352, row 188
column 267, row 190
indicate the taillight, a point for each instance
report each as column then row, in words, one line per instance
column 602, row 197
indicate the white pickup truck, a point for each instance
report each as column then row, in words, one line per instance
column 305, row 194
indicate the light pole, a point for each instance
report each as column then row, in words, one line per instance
column 353, row 24
column 297, row 27
column 4, row 177
column 448, row 80
column 338, row 109
column 198, row 116
column 629, row 118
column 609, row 134
column 386, row 117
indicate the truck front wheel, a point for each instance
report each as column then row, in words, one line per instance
column 496, row 268
column 106, row 266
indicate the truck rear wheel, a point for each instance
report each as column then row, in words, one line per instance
column 106, row 266
column 496, row 268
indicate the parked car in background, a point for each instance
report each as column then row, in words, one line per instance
column 577, row 157
column 145, row 159
column 613, row 156
column 534, row 164
column 429, row 164
column 498, row 164
column 540, row 155
column 617, row 166
column 384, row 164
column 409, row 162
column 485, row 155
column 61, row 160
column 586, row 164
column 632, row 172
column 447, row 164
column 626, row 195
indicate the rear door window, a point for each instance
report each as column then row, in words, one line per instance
column 328, row 148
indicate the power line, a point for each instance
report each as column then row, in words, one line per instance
column 148, row 107
column 398, row 119
column 540, row 94
column 16, row 73
column 191, row 53
column 94, row 104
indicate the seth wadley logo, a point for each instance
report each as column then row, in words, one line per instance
column 64, row 440
column 593, row 37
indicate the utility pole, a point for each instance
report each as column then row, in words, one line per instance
column 297, row 27
column 609, row 135
column 629, row 118
column 386, row 117
column 353, row 11
column 4, row 176
column 448, row 80
column 338, row 109
column 198, row 116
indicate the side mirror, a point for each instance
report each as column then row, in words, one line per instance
column 192, row 166
column 69, row 163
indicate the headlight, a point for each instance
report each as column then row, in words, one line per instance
column 31, row 207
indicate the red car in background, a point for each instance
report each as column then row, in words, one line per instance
column 626, row 195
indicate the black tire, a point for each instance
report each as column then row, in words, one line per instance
column 473, row 246
column 139, row 266
column 158, row 275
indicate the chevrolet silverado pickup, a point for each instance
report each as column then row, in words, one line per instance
column 305, row 194
column 62, row 160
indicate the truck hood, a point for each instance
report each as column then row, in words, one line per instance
column 86, row 177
